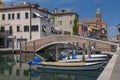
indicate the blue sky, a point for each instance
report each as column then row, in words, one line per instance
column 85, row 8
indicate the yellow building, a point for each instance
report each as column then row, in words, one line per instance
column 96, row 28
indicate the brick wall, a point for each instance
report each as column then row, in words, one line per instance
column 40, row 43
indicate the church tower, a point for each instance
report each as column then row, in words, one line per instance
column 98, row 13
column 2, row 5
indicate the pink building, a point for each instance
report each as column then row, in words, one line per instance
column 82, row 30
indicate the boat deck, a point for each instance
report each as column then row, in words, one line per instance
column 63, row 64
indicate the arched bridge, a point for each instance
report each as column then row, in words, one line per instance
column 36, row 45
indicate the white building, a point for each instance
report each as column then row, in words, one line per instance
column 23, row 22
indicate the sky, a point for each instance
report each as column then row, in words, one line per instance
column 85, row 8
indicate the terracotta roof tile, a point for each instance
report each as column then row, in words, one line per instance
column 88, row 21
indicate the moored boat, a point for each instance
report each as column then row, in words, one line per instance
column 65, row 65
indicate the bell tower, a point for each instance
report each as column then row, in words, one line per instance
column 2, row 5
column 98, row 13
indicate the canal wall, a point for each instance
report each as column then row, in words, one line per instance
column 108, row 71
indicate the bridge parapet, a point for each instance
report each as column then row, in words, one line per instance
column 36, row 45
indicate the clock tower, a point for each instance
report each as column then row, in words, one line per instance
column 98, row 13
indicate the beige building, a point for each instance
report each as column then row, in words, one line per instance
column 23, row 22
column 2, row 5
column 64, row 20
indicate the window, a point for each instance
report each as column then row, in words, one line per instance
column 18, row 15
column 70, row 22
column 10, row 29
column 2, row 29
column 26, row 28
column 26, row 15
column 13, row 16
column 18, row 28
column 3, row 16
column 34, row 28
column 9, row 16
column 59, row 22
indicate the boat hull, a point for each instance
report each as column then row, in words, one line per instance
column 89, row 66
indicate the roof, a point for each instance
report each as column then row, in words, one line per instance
column 25, row 5
column 88, row 21
column 100, row 23
column 62, row 13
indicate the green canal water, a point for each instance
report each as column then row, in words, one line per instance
column 13, row 67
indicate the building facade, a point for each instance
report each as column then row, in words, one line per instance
column 96, row 28
column 23, row 22
column 64, row 20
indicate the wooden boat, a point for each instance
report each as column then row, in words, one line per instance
column 65, row 65
column 70, row 66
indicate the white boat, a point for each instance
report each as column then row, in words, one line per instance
column 66, row 65
column 86, row 66
column 86, row 60
column 93, row 56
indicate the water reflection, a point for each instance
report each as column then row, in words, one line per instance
column 12, row 68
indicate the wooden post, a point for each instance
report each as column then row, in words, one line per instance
column 83, row 52
column 20, row 55
column 89, row 50
column 68, row 45
column 26, row 50
column 56, row 53
column 76, row 52
column 34, row 48
column 13, row 47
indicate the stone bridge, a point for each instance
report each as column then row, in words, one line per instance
column 35, row 45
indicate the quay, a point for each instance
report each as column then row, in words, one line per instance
column 112, row 70
column 6, row 51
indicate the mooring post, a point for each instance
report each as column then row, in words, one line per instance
column 34, row 48
column 20, row 55
column 89, row 50
column 56, row 53
column 13, row 47
column 26, row 50
column 83, row 52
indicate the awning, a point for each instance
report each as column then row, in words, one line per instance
column 37, row 14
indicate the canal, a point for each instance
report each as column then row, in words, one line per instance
column 15, row 67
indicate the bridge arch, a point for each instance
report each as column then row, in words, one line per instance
column 53, row 43
column 35, row 45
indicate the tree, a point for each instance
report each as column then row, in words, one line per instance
column 75, row 27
